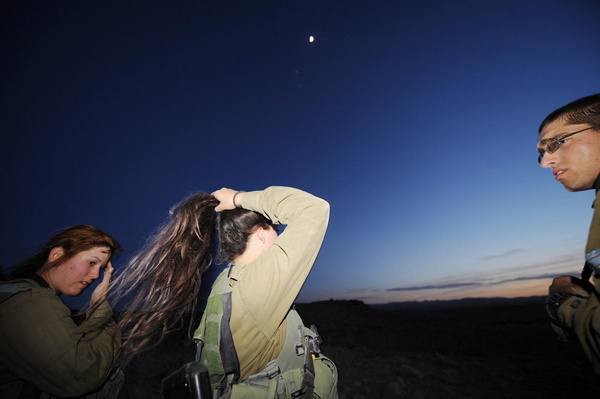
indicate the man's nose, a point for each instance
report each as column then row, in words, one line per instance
column 548, row 159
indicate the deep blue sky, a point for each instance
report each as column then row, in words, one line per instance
column 416, row 120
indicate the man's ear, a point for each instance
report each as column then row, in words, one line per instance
column 56, row 253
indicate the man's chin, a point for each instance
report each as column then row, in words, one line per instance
column 576, row 189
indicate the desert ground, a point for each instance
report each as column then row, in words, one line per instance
column 459, row 349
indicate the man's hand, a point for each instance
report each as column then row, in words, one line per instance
column 565, row 283
column 101, row 290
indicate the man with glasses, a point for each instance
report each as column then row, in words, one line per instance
column 569, row 144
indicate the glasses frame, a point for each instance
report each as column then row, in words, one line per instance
column 557, row 142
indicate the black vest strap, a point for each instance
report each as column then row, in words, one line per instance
column 231, row 363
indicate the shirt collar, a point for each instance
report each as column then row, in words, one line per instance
column 39, row 279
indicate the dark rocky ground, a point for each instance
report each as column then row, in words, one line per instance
column 466, row 349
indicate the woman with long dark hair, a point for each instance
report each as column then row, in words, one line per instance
column 254, row 343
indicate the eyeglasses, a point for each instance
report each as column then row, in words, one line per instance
column 555, row 143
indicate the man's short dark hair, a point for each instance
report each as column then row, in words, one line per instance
column 584, row 110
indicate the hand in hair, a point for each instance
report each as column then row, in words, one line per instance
column 101, row 290
column 225, row 197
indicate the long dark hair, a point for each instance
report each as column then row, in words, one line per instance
column 164, row 278
column 72, row 240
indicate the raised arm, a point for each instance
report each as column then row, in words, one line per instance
column 267, row 287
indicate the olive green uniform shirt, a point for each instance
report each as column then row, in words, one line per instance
column 41, row 344
column 264, row 290
column 581, row 314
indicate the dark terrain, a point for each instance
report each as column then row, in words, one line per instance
column 458, row 349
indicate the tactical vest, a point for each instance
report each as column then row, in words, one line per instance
column 299, row 371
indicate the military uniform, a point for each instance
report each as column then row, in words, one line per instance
column 43, row 351
column 581, row 313
column 262, row 293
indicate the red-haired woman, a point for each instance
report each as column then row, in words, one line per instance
column 43, row 352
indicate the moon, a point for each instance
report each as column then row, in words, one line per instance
column 311, row 39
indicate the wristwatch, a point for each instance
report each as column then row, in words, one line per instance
column 554, row 301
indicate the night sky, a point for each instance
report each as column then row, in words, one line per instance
column 416, row 120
